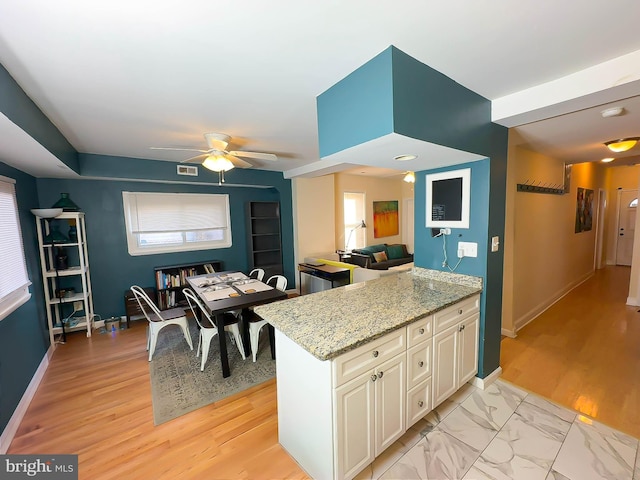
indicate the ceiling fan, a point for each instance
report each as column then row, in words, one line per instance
column 218, row 158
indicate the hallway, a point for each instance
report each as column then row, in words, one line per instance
column 584, row 352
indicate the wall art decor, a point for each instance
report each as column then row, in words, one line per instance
column 385, row 218
column 584, row 210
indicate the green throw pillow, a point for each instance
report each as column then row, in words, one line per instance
column 395, row 251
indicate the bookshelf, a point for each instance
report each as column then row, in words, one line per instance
column 265, row 246
column 64, row 263
column 171, row 279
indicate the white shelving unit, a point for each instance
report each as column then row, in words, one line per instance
column 75, row 307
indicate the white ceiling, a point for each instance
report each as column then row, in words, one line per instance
column 117, row 77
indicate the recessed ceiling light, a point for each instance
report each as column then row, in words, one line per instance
column 612, row 112
column 607, row 160
column 404, row 158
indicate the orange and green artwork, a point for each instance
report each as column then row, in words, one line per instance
column 385, row 218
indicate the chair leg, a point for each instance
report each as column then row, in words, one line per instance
column 238, row 340
column 199, row 344
column 187, row 335
column 255, row 339
column 153, row 338
column 206, row 341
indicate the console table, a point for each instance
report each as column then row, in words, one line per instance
column 338, row 276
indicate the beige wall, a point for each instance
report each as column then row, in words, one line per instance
column 314, row 213
column 544, row 257
column 375, row 189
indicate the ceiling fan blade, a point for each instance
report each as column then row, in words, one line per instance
column 179, row 149
column 256, row 155
column 217, row 141
column 238, row 162
column 196, row 159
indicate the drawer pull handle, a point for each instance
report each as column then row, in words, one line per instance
column 375, row 354
column 421, row 404
column 421, row 363
column 421, row 331
column 373, row 378
column 460, row 311
column 380, row 374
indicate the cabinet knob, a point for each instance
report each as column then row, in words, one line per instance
column 421, row 331
column 380, row 374
column 375, row 354
column 460, row 311
column 421, row 363
column 462, row 327
column 374, row 378
column 421, row 404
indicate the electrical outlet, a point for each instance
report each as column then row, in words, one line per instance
column 469, row 249
column 495, row 244
column 77, row 306
column 445, row 231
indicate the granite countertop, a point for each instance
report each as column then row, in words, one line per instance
column 332, row 322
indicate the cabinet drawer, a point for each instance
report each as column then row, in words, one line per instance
column 418, row 364
column 368, row 356
column 453, row 314
column 419, row 331
column 418, row 402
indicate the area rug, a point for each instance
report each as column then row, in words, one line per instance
column 177, row 384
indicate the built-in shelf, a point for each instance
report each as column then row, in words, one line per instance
column 265, row 245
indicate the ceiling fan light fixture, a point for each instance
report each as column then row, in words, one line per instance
column 410, row 177
column 217, row 163
column 622, row 145
column 607, row 160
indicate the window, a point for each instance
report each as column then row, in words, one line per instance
column 14, row 282
column 634, row 203
column 354, row 214
column 175, row 222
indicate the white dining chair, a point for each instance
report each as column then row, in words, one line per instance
column 257, row 273
column 255, row 321
column 158, row 319
column 208, row 328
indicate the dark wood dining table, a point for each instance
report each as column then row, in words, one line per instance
column 241, row 302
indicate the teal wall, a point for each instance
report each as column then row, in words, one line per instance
column 357, row 109
column 23, row 334
column 429, row 106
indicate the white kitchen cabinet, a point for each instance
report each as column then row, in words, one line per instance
column 334, row 419
column 455, row 348
column 370, row 415
column 67, row 284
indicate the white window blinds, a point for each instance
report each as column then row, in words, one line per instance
column 14, row 281
column 161, row 212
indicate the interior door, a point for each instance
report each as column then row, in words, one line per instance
column 626, row 226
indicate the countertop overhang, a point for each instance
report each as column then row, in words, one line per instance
column 332, row 322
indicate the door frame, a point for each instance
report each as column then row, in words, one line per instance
column 617, row 224
column 600, row 214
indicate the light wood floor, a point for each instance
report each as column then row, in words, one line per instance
column 584, row 352
column 95, row 398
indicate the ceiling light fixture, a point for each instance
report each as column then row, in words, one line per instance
column 607, row 160
column 612, row 112
column 218, row 163
column 404, row 158
column 410, row 177
column 622, row 145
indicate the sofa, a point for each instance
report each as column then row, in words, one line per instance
column 380, row 257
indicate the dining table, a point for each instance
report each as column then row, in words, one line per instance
column 228, row 291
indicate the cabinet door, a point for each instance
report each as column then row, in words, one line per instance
column 445, row 365
column 354, row 424
column 390, row 402
column 468, row 349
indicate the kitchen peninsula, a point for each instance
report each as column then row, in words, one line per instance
column 358, row 365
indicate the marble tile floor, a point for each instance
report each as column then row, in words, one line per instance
column 504, row 432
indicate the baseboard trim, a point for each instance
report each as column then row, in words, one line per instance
column 542, row 307
column 508, row 333
column 18, row 414
column 633, row 301
column 483, row 383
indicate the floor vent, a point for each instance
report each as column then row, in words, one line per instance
column 187, row 170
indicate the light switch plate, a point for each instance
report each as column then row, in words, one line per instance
column 470, row 249
column 495, row 244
